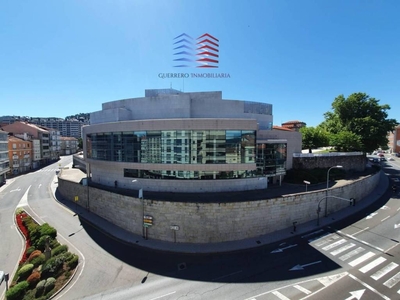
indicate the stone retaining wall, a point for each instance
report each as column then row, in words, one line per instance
column 213, row 222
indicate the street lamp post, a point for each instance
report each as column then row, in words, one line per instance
column 327, row 187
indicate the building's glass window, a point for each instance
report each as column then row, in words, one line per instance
column 168, row 174
column 271, row 159
column 174, row 146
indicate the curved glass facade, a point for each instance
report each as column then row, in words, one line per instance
column 174, row 146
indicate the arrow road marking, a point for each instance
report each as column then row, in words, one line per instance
column 24, row 200
column 16, row 190
column 370, row 216
column 39, row 186
column 356, row 295
column 396, row 226
column 301, row 267
column 281, row 249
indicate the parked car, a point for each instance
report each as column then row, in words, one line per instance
column 397, row 154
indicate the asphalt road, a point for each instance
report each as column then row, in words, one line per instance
column 296, row 268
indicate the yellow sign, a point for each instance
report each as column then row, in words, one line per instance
column 76, row 198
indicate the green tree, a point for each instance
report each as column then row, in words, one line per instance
column 346, row 141
column 314, row 137
column 363, row 116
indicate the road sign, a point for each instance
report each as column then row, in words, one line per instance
column 147, row 220
column 76, row 198
column 174, row 227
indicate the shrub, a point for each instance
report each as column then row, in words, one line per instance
column 67, row 256
column 54, row 243
column 25, row 271
column 52, row 266
column 30, row 250
column 58, row 250
column 37, row 261
column 17, row 291
column 46, row 229
column 33, row 279
column 73, row 262
column 34, row 254
column 40, row 244
column 49, row 285
column 40, row 288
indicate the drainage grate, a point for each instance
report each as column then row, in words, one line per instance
column 181, row 266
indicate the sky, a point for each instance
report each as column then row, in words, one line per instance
column 64, row 57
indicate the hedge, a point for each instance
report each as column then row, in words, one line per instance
column 17, row 291
column 40, row 288
column 49, row 285
column 37, row 261
column 25, row 271
column 73, row 262
column 58, row 250
column 33, row 279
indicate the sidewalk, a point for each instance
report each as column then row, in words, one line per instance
column 128, row 237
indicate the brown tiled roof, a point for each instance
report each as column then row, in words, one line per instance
column 281, row 128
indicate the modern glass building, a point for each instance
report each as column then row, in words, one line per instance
column 185, row 142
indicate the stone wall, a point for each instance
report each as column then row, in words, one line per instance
column 350, row 161
column 214, row 222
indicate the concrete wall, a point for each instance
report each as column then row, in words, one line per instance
column 213, row 222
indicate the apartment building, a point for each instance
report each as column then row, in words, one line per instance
column 20, row 154
column 68, row 145
column 4, row 159
column 42, row 137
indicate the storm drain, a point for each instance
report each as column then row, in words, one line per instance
column 181, row 266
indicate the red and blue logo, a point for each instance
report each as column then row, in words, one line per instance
column 202, row 52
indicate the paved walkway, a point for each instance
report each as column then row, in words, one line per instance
column 276, row 236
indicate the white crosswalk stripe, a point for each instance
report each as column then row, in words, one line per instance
column 333, row 245
column 385, row 270
column 302, row 289
column 392, row 281
column 351, row 254
column 361, row 259
column 280, row 296
column 372, row 264
column 342, row 249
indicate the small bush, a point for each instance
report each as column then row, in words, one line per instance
column 58, row 250
column 52, row 266
column 37, row 261
column 25, row 271
column 34, row 254
column 30, row 250
column 40, row 288
column 49, row 285
column 33, row 279
column 40, row 244
column 54, row 243
column 17, row 291
column 46, row 229
column 73, row 262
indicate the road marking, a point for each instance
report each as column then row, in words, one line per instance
column 284, row 248
column 385, row 207
column 39, row 186
column 329, row 238
column 371, row 215
column 385, row 218
column 372, row 264
column 325, row 281
column 361, row 241
column 163, row 295
column 312, row 233
column 356, row 295
column 342, row 249
column 369, row 287
column 351, row 254
column 396, row 226
column 391, row 282
column 301, row 267
column 333, row 245
column 300, row 288
column 280, row 296
column 361, row 259
column 366, row 228
column 382, row 272
column 390, row 248
column 24, row 200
